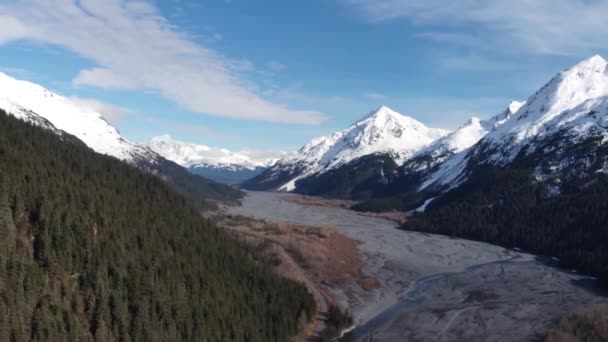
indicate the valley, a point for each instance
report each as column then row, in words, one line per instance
column 429, row 287
column 303, row 171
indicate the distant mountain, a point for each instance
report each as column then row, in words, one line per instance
column 381, row 132
column 39, row 106
column 219, row 164
column 389, row 161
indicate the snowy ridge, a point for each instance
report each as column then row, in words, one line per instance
column 573, row 105
column 35, row 104
column 380, row 131
column 557, row 104
column 192, row 155
column 459, row 140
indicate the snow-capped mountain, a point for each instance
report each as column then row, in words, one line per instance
column 66, row 117
column 187, row 154
column 382, row 131
column 215, row 163
column 40, row 106
column 560, row 105
column 570, row 109
column 444, row 154
column 459, row 140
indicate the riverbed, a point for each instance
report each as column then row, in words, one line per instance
column 436, row 288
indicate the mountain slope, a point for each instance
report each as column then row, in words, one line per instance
column 218, row 164
column 92, row 249
column 569, row 109
column 459, row 140
column 382, row 131
column 539, row 180
column 23, row 99
column 37, row 105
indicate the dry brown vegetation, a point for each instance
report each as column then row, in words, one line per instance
column 585, row 325
column 320, row 258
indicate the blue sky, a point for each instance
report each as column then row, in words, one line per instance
column 272, row 74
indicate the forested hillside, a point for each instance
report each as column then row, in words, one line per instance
column 91, row 249
column 204, row 193
column 503, row 206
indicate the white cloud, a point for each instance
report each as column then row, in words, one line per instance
column 568, row 27
column 134, row 47
column 103, row 78
column 114, row 114
column 11, row 28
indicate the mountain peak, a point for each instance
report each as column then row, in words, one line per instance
column 166, row 138
column 572, row 87
column 382, row 111
column 595, row 63
column 472, row 121
column 385, row 109
column 556, row 106
column 386, row 119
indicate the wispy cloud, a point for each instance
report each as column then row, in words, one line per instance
column 567, row 27
column 104, row 78
column 135, row 47
column 276, row 66
column 474, row 62
column 114, row 114
column 375, row 96
column 457, row 38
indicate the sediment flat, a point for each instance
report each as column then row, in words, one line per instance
column 434, row 287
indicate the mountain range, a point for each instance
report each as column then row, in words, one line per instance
column 533, row 176
column 218, row 164
column 385, row 160
column 75, row 120
column 392, row 161
column 381, row 132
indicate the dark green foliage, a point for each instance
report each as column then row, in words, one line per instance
column 91, row 249
column 337, row 320
column 402, row 202
column 361, row 179
column 503, row 206
column 271, row 179
column 202, row 192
